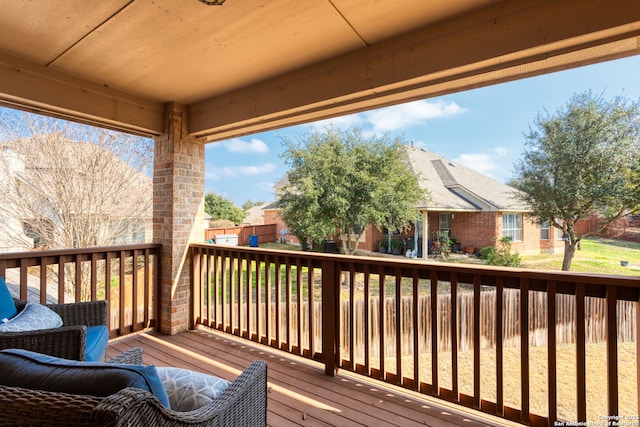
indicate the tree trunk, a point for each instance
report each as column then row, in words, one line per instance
column 569, row 252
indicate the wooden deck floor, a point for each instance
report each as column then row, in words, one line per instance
column 299, row 392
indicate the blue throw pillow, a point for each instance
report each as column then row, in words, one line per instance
column 35, row 371
column 7, row 306
column 33, row 317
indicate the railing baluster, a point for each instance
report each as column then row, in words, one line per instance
column 352, row 310
column 454, row 337
column 299, row 305
column 476, row 341
column 398, row 331
column 93, row 281
column 366, row 319
column 61, row 279
column 249, row 297
column 278, row 294
column 267, row 301
column 288, row 285
column 134, row 289
column 238, row 293
column 612, row 350
column 435, row 388
column 381, row 323
column 581, row 354
column 43, row 281
column 499, row 347
column 552, row 370
column 259, row 310
column 416, row 330
column 312, row 312
column 122, row 294
column 524, row 350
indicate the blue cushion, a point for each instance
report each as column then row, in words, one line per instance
column 33, row 317
column 7, row 306
column 97, row 338
column 35, row 371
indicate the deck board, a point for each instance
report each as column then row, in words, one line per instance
column 299, row 392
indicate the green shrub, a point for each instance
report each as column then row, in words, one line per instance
column 501, row 254
column 486, row 252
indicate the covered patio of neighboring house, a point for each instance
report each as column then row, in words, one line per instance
column 474, row 209
column 187, row 74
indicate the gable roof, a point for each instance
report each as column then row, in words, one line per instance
column 454, row 187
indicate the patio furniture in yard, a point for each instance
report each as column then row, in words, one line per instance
column 75, row 331
column 39, row 390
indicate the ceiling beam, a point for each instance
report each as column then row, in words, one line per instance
column 506, row 41
column 32, row 87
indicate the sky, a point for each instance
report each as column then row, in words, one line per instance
column 482, row 129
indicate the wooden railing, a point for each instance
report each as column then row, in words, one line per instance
column 132, row 273
column 438, row 329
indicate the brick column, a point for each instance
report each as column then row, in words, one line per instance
column 178, row 213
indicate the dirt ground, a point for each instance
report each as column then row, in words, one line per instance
column 566, row 378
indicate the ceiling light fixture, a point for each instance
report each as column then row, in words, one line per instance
column 213, row 2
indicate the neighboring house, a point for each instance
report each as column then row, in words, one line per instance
column 120, row 214
column 473, row 208
column 255, row 215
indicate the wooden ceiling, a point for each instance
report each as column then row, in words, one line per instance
column 253, row 65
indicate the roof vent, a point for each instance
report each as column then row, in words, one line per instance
column 453, row 165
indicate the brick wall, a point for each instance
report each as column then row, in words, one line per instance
column 271, row 217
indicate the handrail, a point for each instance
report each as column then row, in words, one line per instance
column 328, row 307
column 73, row 275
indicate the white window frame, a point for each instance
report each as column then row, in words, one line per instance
column 512, row 226
column 545, row 228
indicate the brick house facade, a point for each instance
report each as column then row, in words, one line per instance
column 474, row 208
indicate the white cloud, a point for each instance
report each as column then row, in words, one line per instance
column 484, row 162
column 481, row 162
column 233, row 171
column 238, row 145
column 412, row 113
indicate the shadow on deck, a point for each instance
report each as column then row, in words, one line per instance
column 299, row 392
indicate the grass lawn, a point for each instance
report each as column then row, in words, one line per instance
column 594, row 256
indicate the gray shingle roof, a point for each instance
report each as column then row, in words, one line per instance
column 457, row 188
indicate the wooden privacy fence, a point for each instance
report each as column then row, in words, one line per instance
column 565, row 328
column 266, row 233
column 327, row 307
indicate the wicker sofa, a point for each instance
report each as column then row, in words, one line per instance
column 243, row 403
column 68, row 341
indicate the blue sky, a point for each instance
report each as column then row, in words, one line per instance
column 481, row 128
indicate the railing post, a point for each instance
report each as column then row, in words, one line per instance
column 196, row 287
column 330, row 315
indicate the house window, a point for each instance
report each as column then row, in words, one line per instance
column 445, row 222
column 544, row 230
column 512, row 226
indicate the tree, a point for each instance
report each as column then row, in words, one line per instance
column 221, row 208
column 67, row 185
column 582, row 160
column 340, row 182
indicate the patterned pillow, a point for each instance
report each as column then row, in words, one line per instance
column 189, row 390
column 33, row 317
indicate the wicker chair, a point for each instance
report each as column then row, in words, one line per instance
column 68, row 341
column 243, row 403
